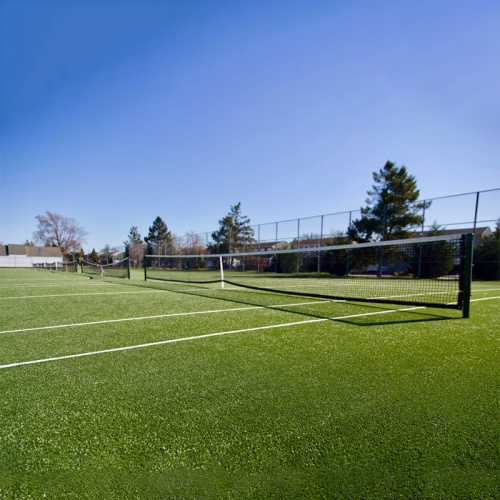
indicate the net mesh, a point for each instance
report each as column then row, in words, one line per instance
column 118, row 269
column 51, row 266
column 68, row 267
column 424, row 271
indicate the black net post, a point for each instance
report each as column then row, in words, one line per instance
column 467, row 275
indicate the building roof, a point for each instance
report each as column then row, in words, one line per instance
column 483, row 232
column 31, row 251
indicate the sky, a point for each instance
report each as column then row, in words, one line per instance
column 116, row 112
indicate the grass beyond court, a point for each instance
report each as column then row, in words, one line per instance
column 113, row 389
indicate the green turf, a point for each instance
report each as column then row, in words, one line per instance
column 396, row 405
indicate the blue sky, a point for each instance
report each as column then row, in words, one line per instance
column 116, row 112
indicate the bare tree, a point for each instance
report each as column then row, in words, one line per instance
column 60, row 231
column 194, row 243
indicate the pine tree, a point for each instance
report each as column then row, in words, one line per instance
column 234, row 233
column 159, row 237
column 94, row 256
column 392, row 208
column 134, row 247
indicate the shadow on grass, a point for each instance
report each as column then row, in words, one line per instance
column 363, row 318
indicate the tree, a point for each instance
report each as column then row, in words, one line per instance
column 436, row 230
column 107, row 251
column 336, row 261
column 284, row 262
column 159, row 237
column 94, row 256
column 392, row 208
column 432, row 260
column 487, row 257
column 234, row 233
column 60, row 231
column 134, row 246
column 194, row 244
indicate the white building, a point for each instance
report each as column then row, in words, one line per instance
column 27, row 256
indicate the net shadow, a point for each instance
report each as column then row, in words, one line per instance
column 418, row 315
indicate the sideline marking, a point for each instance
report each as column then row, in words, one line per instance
column 67, row 283
column 197, row 337
column 210, row 311
column 207, row 335
column 75, row 294
column 485, row 298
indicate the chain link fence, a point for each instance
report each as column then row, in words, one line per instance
column 476, row 212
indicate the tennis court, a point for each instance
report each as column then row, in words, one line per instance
column 117, row 388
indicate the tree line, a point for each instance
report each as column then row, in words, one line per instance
column 392, row 211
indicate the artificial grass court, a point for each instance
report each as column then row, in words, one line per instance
column 125, row 389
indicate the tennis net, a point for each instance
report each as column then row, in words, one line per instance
column 433, row 271
column 51, row 266
column 67, row 267
column 119, row 269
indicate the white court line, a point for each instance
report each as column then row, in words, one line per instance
column 207, row 335
column 77, row 294
column 197, row 337
column 168, row 316
column 68, row 283
column 485, row 298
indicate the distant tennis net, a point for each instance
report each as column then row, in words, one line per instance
column 67, row 267
column 432, row 271
column 120, row 269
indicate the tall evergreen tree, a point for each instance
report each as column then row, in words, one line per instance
column 134, row 246
column 234, row 233
column 94, row 256
column 392, row 208
column 159, row 237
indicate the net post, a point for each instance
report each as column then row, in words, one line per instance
column 221, row 272
column 467, row 276
column 128, row 267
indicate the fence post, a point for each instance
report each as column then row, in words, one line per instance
column 349, row 242
column 423, row 218
column 320, row 245
column 298, row 245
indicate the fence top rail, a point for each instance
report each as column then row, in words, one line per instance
column 376, row 244
column 358, row 209
column 461, row 194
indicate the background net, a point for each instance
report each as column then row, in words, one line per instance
column 119, row 269
column 68, row 267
